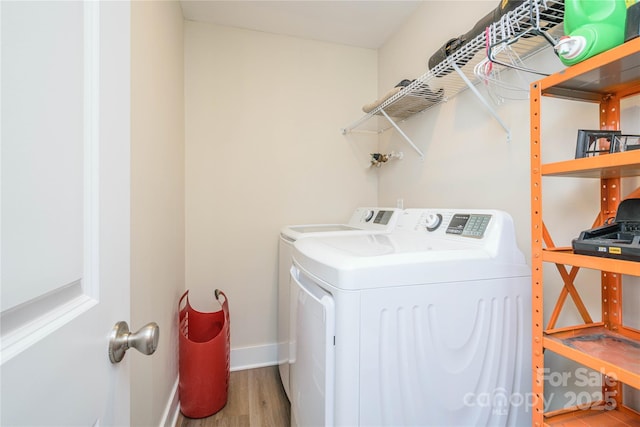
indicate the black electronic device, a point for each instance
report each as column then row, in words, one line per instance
column 619, row 239
column 595, row 142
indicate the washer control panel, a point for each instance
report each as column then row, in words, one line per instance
column 382, row 217
column 375, row 218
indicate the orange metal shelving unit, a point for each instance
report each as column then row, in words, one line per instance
column 607, row 346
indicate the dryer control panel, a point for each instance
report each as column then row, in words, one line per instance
column 471, row 223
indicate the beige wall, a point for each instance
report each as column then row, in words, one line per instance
column 157, row 199
column 264, row 149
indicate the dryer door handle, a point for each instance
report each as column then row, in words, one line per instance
column 307, row 284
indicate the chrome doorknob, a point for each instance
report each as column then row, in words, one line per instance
column 145, row 340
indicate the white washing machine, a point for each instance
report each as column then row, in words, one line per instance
column 428, row 325
column 365, row 220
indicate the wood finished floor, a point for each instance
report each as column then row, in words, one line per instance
column 256, row 399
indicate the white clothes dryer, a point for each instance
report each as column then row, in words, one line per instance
column 428, row 325
column 365, row 220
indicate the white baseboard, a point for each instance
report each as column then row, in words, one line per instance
column 254, row 357
column 241, row 358
column 171, row 411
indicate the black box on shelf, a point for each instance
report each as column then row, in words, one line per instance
column 632, row 24
column 618, row 239
column 595, row 142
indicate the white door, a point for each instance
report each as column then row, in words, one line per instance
column 64, row 212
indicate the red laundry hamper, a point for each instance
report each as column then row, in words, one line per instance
column 203, row 358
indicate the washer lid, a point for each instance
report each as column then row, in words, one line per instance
column 401, row 258
column 321, row 228
column 363, row 221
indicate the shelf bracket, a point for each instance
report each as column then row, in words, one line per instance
column 482, row 99
column 402, row 134
column 353, row 127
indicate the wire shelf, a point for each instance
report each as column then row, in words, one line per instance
column 517, row 29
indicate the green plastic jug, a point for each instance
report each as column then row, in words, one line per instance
column 591, row 27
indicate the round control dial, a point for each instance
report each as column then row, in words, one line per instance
column 433, row 221
column 368, row 215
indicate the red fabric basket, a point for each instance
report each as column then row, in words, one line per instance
column 203, row 358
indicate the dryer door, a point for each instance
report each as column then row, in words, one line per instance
column 313, row 361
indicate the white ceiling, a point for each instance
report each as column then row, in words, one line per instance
column 361, row 23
